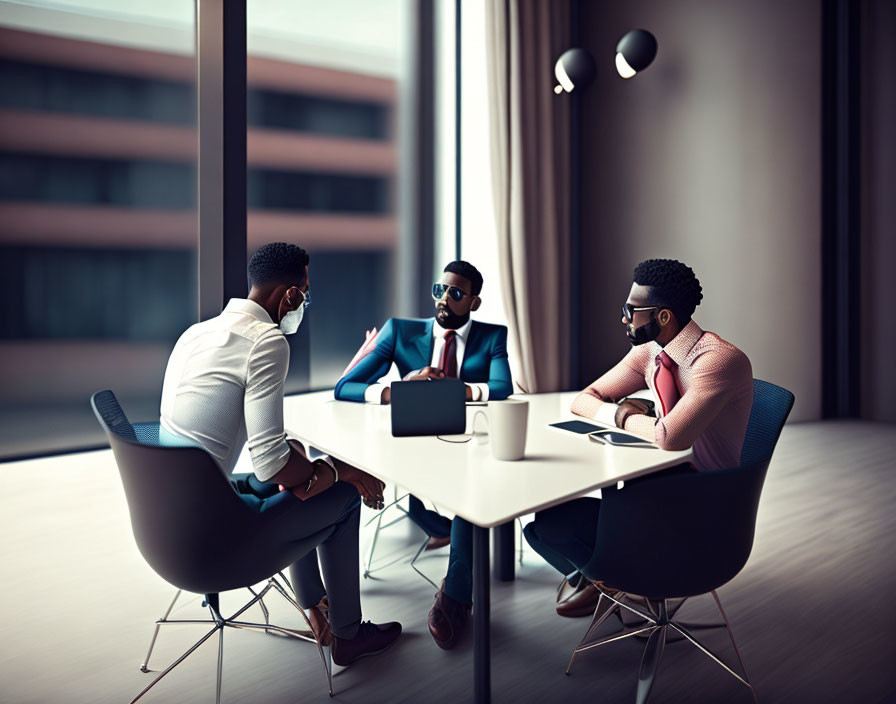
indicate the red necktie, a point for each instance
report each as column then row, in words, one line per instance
column 448, row 360
column 664, row 382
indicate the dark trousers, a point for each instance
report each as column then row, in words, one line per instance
column 566, row 535
column 459, row 579
column 336, row 513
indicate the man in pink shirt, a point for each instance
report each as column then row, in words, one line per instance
column 702, row 388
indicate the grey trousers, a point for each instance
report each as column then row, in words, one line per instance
column 286, row 518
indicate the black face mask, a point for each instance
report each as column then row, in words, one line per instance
column 646, row 333
column 451, row 320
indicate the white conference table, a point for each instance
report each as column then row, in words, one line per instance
column 465, row 479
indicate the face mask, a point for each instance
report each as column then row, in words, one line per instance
column 290, row 322
column 646, row 333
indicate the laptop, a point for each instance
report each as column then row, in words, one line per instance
column 428, row 408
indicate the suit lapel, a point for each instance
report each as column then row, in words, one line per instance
column 470, row 349
column 423, row 343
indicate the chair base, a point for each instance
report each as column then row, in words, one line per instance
column 219, row 623
column 655, row 623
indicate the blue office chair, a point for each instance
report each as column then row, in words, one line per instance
column 672, row 537
column 207, row 551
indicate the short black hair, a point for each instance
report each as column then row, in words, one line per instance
column 468, row 271
column 278, row 262
column 673, row 285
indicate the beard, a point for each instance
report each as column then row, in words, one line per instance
column 450, row 320
column 644, row 334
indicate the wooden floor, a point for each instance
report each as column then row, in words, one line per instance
column 813, row 611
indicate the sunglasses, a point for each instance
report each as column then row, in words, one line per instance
column 628, row 311
column 439, row 290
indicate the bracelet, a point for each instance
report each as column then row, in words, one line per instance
column 330, row 466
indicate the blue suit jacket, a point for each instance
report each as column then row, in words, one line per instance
column 409, row 344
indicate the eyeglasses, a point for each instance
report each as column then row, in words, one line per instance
column 456, row 294
column 628, row 311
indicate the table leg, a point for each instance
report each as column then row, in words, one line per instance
column 505, row 551
column 481, row 613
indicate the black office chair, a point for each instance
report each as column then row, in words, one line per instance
column 196, row 533
column 673, row 537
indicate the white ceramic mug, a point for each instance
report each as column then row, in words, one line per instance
column 507, row 422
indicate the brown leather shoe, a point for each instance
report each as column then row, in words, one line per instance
column 567, row 590
column 446, row 619
column 436, row 543
column 582, row 603
column 371, row 639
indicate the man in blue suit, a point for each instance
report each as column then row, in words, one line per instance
column 448, row 346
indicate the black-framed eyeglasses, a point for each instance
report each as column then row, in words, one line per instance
column 456, row 294
column 628, row 310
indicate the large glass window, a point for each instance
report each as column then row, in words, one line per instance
column 98, row 192
column 98, row 233
column 324, row 143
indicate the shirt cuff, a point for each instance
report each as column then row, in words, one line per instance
column 606, row 414
column 479, row 392
column 374, row 393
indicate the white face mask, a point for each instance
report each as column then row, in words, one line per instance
column 290, row 322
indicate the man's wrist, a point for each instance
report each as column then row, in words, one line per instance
column 622, row 414
column 321, row 462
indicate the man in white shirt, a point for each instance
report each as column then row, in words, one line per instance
column 223, row 388
column 448, row 346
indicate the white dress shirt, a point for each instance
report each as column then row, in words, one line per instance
column 479, row 392
column 224, row 386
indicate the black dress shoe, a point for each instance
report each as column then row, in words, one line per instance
column 446, row 619
column 371, row 639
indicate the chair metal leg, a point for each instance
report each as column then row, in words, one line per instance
column 376, row 534
column 736, row 650
column 619, row 635
column 264, row 609
column 178, row 661
column 144, row 667
column 639, row 611
column 653, row 653
column 327, row 667
column 220, row 665
column 603, row 610
column 380, row 526
column 414, row 563
column 687, row 634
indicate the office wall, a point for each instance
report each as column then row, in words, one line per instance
column 878, row 209
column 711, row 156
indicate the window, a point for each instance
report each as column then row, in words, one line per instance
column 98, row 230
column 324, row 151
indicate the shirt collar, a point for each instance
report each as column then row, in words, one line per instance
column 462, row 332
column 247, row 307
column 680, row 346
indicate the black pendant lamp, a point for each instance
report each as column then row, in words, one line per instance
column 575, row 69
column 634, row 52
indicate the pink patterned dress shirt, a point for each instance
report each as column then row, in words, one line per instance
column 715, row 380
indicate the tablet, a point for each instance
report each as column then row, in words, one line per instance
column 617, row 437
column 579, row 427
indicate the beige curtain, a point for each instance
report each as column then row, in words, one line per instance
column 530, row 177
